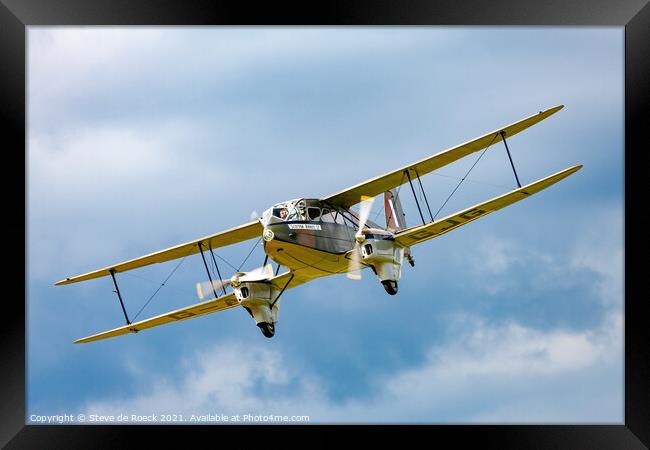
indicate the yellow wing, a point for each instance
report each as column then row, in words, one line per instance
column 224, row 302
column 383, row 183
column 216, row 304
column 232, row 236
column 421, row 233
column 280, row 281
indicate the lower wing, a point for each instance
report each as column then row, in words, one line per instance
column 216, row 304
column 421, row 233
column 280, row 282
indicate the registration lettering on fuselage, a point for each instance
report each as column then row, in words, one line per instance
column 304, row 226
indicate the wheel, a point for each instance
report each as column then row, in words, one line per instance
column 390, row 286
column 268, row 329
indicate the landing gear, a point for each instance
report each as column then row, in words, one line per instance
column 268, row 329
column 410, row 259
column 390, row 286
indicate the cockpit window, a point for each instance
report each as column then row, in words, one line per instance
column 280, row 213
column 308, row 210
column 288, row 212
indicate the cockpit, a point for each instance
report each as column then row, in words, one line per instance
column 311, row 210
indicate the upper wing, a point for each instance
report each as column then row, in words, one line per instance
column 227, row 301
column 383, row 183
column 415, row 235
column 232, row 236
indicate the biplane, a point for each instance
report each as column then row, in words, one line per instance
column 318, row 237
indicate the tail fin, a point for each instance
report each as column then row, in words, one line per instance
column 395, row 217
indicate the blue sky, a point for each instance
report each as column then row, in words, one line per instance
column 143, row 138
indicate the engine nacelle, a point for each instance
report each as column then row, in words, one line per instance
column 384, row 256
column 257, row 297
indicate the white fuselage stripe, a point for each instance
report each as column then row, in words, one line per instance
column 392, row 208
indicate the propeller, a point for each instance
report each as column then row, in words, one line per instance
column 364, row 211
column 205, row 288
column 254, row 215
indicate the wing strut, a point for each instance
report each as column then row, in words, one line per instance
column 218, row 272
column 285, row 286
column 117, row 290
column 423, row 193
column 206, row 269
column 415, row 196
column 503, row 137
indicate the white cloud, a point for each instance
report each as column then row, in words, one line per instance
column 72, row 63
column 600, row 249
column 513, row 361
column 494, row 256
column 101, row 184
column 223, row 379
column 511, row 350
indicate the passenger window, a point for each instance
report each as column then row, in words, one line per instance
column 313, row 213
column 338, row 218
column 327, row 216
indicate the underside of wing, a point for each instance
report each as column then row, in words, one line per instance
column 415, row 235
column 282, row 282
column 217, row 304
column 289, row 280
column 241, row 233
column 383, row 183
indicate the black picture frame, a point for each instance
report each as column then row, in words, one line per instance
column 634, row 15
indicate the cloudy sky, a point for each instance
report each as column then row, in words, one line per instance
column 143, row 138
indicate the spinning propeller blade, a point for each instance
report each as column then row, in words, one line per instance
column 206, row 289
column 354, row 269
column 354, row 262
column 259, row 274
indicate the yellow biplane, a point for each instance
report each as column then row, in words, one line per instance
column 317, row 237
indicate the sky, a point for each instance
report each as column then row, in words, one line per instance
column 146, row 137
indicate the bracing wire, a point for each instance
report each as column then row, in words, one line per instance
column 233, row 267
column 463, row 179
column 163, row 283
column 129, row 274
column 470, row 181
column 249, row 254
